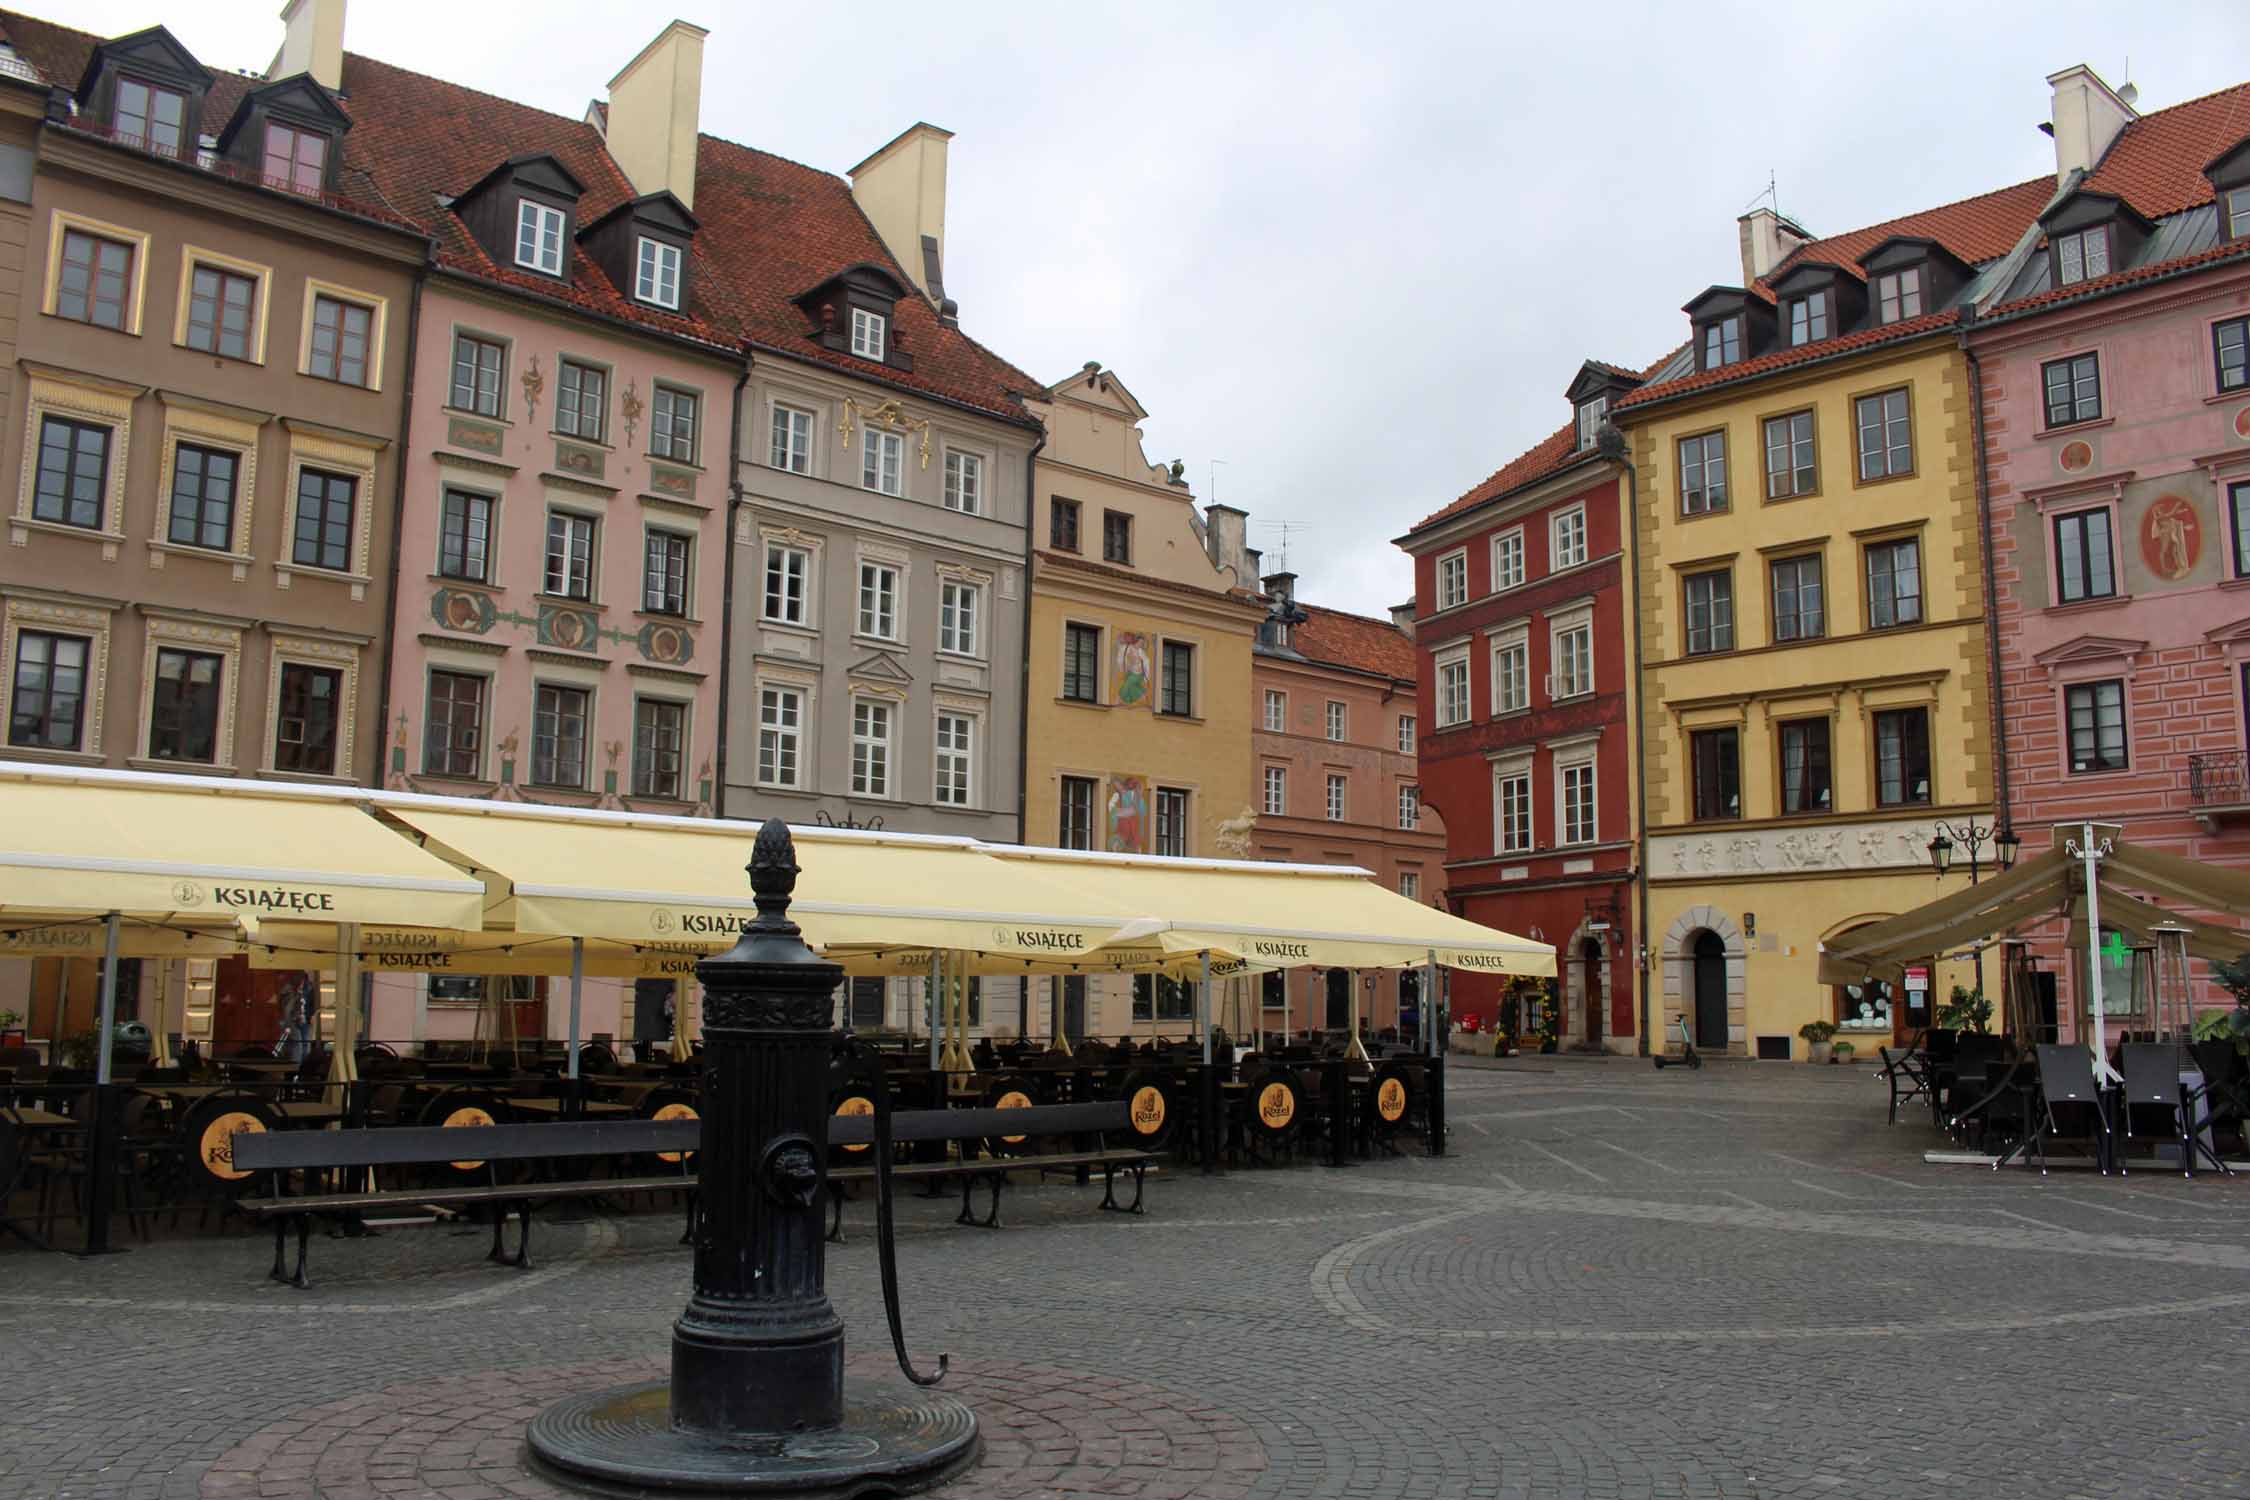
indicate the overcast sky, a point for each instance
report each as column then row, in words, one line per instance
column 1350, row 254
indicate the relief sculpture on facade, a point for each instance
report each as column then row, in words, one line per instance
column 1776, row 851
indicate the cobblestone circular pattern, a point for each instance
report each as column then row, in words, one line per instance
column 1046, row 1432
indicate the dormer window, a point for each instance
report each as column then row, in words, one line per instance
column 869, row 330
column 657, row 279
column 2082, row 256
column 296, row 159
column 150, row 117
column 1898, row 295
column 2235, row 204
column 539, row 237
column 1808, row 319
column 1722, row 343
column 852, row 313
column 1590, row 415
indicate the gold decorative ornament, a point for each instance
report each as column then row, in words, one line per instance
column 890, row 417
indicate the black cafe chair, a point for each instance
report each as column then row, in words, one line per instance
column 1908, row 1074
column 2070, row 1107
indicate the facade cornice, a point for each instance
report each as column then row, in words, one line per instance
column 1579, row 473
column 851, row 384
column 472, row 287
column 1139, row 486
column 2164, row 293
column 1762, row 386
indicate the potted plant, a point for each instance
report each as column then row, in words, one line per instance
column 1816, row 1035
column 1840, row 1053
column 11, row 1028
column 79, row 1049
column 1965, row 1010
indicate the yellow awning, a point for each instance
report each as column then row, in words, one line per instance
column 425, row 950
column 84, row 937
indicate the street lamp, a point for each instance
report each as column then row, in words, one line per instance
column 1973, row 836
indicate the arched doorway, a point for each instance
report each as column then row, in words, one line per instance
column 1595, row 995
column 1710, row 991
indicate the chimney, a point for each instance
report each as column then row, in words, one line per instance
column 1402, row 618
column 312, row 41
column 1767, row 240
column 901, row 189
column 656, row 113
column 2084, row 118
column 1226, row 533
column 1281, row 589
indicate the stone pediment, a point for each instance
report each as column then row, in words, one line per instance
column 880, row 667
column 2221, row 635
column 2089, row 648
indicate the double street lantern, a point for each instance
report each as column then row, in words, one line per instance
column 1973, row 836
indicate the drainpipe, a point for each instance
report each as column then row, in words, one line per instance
column 398, row 527
column 1991, row 582
column 1023, row 681
column 726, row 591
column 1612, row 445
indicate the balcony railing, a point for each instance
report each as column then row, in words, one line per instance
column 2218, row 778
column 15, row 67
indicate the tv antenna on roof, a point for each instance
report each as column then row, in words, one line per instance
column 1284, row 527
column 1771, row 193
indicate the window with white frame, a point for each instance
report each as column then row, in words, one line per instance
column 870, row 331
column 1335, row 720
column 1277, row 712
column 1567, row 538
column 960, row 606
column 1406, row 734
column 878, row 600
column 2082, row 256
column 1452, row 580
column 1511, row 807
column 1172, row 822
column 786, row 571
column 570, row 555
column 781, row 728
column 1511, row 672
column 453, row 726
column 882, row 461
column 964, row 482
column 1590, row 414
column 656, row 280
column 1577, row 806
column 1277, row 791
column 1410, row 884
column 1574, row 657
column 558, row 735
column 1074, row 822
column 664, row 577
column 1507, row 560
column 1453, row 688
column 1336, row 799
column 956, row 747
column 1409, row 807
column 792, row 440
column 1898, row 295
column 871, row 748
column 539, row 237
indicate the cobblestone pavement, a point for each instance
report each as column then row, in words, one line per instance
column 1737, row 1282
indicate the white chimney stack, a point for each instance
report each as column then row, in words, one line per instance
column 656, row 113
column 901, row 189
column 2084, row 118
column 312, row 41
column 1767, row 239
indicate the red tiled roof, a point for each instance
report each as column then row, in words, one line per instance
column 1782, row 359
column 2156, row 163
column 1339, row 639
column 1977, row 229
column 2118, row 281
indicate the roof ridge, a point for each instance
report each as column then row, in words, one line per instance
column 466, row 88
column 2185, row 103
column 1350, row 614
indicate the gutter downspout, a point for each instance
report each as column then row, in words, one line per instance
column 1999, row 716
column 726, row 591
column 1023, row 680
column 1612, row 443
column 398, row 527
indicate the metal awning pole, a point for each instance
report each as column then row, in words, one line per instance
column 2091, row 854
column 577, row 998
column 937, row 975
column 108, row 1004
column 1430, row 1008
column 1203, row 1007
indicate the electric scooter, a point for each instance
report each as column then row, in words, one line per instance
column 1688, row 1055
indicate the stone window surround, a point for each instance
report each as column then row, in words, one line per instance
column 194, row 256
column 685, row 703
column 187, row 630
column 1510, row 765
column 1451, row 653
column 770, row 537
column 806, row 685
column 311, row 648
column 379, row 313
column 1570, row 753
column 1455, row 554
column 464, row 659
column 488, row 486
column 64, row 393
column 312, row 446
column 208, row 424
column 894, row 698
column 550, row 672
column 1561, row 622
column 899, row 560
column 980, row 580
column 2105, row 494
column 63, row 614
column 1502, row 638
column 1523, row 558
column 62, row 220
column 974, row 711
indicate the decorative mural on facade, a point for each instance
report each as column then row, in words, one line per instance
column 562, row 627
column 1132, row 669
column 2171, row 537
column 1128, row 815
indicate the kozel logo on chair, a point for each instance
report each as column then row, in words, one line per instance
column 1390, row 1100
column 217, row 1145
column 857, row 1104
column 1148, row 1109
column 1277, row 1106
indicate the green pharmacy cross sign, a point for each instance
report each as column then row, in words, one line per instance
column 2113, row 949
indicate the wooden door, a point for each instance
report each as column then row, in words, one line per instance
column 1591, row 954
column 1710, row 992
column 246, row 1007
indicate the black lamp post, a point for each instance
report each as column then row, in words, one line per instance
column 1973, row 836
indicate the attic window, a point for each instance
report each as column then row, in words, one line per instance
column 1898, row 295
column 2237, row 204
column 296, row 160
column 1590, row 414
column 657, row 281
column 1808, row 319
column 150, row 117
column 539, row 237
column 2082, row 256
column 868, row 333
column 1722, row 343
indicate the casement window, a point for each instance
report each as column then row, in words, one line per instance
column 871, row 748
column 786, row 571
column 558, row 735
column 956, row 744
column 1589, row 424
column 960, row 612
column 2230, row 351
column 1902, row 757
column 94, row 280
column 2238, row 511
column 1722, row 343
column 1178, row 693
column 1710, row 611
column 964, row 482
column 477, row 367
column 1511, row 675
column 1577, row 787
column 305, row 716
column 453, row 737
column 1410, row 807
column 1171, row 822
column 1799, row 612
column 202, row 512
column 791, row 448
column 570, row 556
column 1507, row 560
column 659, row 747
column 1703, row 474
column 656, row 273
column 870, row 333
column 1075, row 823
column 1452, row 580
column 1512, row 815
column 184, row 706
column 1406, row 734
column 673, row 420
column 1453, row 689
column 2081, row 256
column 1160, row 997
column 1808, row 319
column 1886, row 435
column 1898, row 295
column 582, row 401
column 73, row 473
column 340, row 334
column 539, row 237
column 664, row 572
column 1894, row 584
column 150, row 117
column 1410, row 884
column 878, row 601
column 1574, row 659
column 297, row 160
column 222, row 307
column 1335, row 720
column 781, row 728
column 2096, row 711
column 1062, row 524
column 324, row 520
column 1566, row 539
column 47, row 691
column 2074, row 389
column 1790, row 466
column 1716, row 756
column 465, row 537
column 1117, row 538
column 1805, row 783
column 2084, row 565
column 2234, row 203
column 1277, row 712
column 1277, row 791
column 1336, row 785
column 1082, row 663
column 882, row 462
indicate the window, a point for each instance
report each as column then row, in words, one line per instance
column 1886, row 435
column 1590, row 414
column 297, row 160
column 1898, row 295
column 184, row 707
column 1894, row 584
column 871, row 748
column 47, row 701
column 1406, row 734
column 1082, row 663
column 93, row 280
column 792, row 440
column 1117, row 537
column 659, row 747
column 1160, row 997
column 1335, row 799
column 1574, row 659
column 869, row 330
column 1171, row 822
column 2238, row 509
column 786, row 568
column 1722, row 343
column 324, row 520
column 1902, row 757
column 1410, row 884
column 340, row 332
column 1790, row 470
column 878, row 601
column 1178, row 694
column 1808, row 319
column 581, row 401
column 476, row 374
column 882, row 462
column 656, row 275
column 1716, row 758
column 1277, row 791
column 1804, row 766
column 465, row 536
column 1075, row 827
column 1578, row 803
column 1062, row 524
column 1452, row 580
column 2083, row 566
column 1710, row 612
column 1511, row 675
column 1335, row 720
column 558, row 736
column 1507, row 560
column 73, row 473
column 955, row 737
column 2230, row 347
column 1409, row 807
column 964, row 482
column 1797, row 608
column 1277, row 712
column 1703, row 474
column 202, row 498
column 150, row 117
column 570, row 555
column 539, row 235
column 453, row 741
column 304, row 735
column 1567, row 539
column 781, row 719
column 664, row 573
column 671, row 429
column 959, row 604
column 2236, row 202
column 221, row 304
column 2097, row 725
column 1513, row 794
column 1452, row 690
column 2074, row 389
column 2082, row 256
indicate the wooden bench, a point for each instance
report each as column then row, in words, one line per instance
column 987, row 1140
